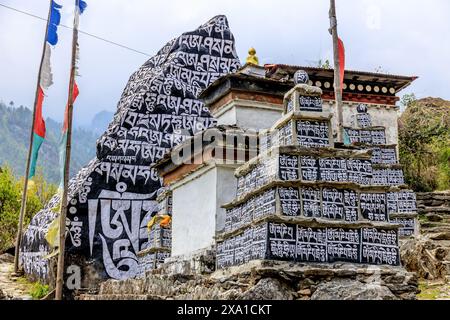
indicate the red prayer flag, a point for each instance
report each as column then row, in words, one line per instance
column 39, row 123
column 66, row 114
column 38, row 133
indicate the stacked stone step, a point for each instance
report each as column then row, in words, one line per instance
column 434, row 212
column 303, row 200
column 401, row 204
column 159, row 244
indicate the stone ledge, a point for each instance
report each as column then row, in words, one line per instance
column 440, row 195
column 270, row 280
column 440, row 209
column 295, row 269
column 198, row 262
column 152, row 250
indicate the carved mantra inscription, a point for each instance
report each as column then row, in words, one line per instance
column 313, row 134
column 290, row 242
column 310, row 103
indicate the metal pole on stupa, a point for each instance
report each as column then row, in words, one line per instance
column 337, row 71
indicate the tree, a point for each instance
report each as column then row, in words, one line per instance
column 424, row 143
column 9, row 208
column 380, row 69
column 324, row 64
column 407, row 100
column 39, row 193
column 40, row 188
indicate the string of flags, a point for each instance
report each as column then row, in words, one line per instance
column 46, row 80
column 52, row 235
column 80, row 7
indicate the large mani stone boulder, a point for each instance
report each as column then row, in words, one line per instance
column 112, row 199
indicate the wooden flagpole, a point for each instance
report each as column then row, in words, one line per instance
column 62, row 215
column 337, row 71
column 23, row 205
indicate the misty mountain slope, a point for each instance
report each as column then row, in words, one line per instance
column 14, row 138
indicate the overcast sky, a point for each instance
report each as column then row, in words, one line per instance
column 400, row 37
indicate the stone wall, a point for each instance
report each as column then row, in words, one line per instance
column 429, row 253
column 434, row 210
column 269, row 280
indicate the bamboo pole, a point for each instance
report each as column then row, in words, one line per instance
column 23, row 205
column 337, row 71
column 62, row 215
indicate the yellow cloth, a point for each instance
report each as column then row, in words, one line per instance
column 52, row 235
column 163, row 221
column 52, row 238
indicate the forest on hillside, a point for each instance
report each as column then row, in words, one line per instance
column 424, row 144
column 15, row 134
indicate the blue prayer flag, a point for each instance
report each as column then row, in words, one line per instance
column 82, row 5
column 55, row 19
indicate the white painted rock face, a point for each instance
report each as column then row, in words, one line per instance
column 112, row 199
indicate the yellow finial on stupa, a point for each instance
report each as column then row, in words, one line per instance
column 252, row 58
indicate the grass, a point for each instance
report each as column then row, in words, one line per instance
column 427, row 292
column 36, row 290
column 433, row 291
column 23, row 280
column 422, row 218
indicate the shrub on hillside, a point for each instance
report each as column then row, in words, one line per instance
column 424, row 144
column 39, row 192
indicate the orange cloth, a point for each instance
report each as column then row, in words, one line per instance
column 164, row 221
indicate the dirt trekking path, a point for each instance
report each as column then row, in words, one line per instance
column 11, row 287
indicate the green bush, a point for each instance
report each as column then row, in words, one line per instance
column 39, row 193
column 39, row 290
column 9, row 208
column 424, row 144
